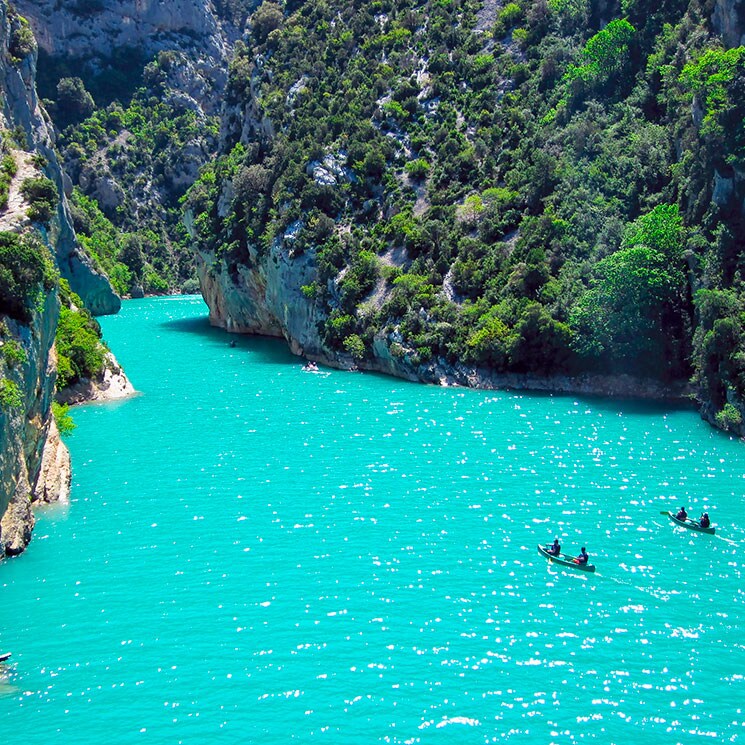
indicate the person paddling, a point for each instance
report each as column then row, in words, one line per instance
column 555, row 548
column 583, row 558
column 704, row 522
column 682, row 514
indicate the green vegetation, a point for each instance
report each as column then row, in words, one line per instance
column 141, row 150
column 12, row 357
column 729, row 418
column 530, row 185
column 27, row 273
column 42, row 196
column 80, row 351
column 10, row 394
column 63, row 419
column 72, row 103
column 13, row 353
column 8, row 170
column 105, row 244
column 21, row 42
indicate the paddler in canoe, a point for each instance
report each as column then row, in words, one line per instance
column 703, row 524
column 554, row 548
column 579, row 562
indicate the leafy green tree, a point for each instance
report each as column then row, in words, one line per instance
column 73, row 103
column 79, row 347
column 539, row 343
column 266, row 18
column 717, row 79
column 633, row 306
column 718, row 343
column 606, row 54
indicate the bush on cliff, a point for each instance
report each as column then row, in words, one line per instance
column 80, row 351
column 41, row 194
column 8, row 169
column 27, row 272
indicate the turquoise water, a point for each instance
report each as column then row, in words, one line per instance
column 257, row 554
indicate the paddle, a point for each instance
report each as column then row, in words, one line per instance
column 664, row 513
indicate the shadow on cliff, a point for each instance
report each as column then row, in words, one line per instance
column 271, row 349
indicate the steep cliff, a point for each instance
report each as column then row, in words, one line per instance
column 34, row 463
column 538, row 194
column 86, row 30
column 35, row 246
column 21, row 113
column 157, row 73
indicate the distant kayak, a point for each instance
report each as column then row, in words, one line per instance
column 565, row 560
column 4, row 656
column 691, row 524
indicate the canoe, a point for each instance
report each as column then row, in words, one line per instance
column 691, row 525
column 4, row 656
column 565, row 560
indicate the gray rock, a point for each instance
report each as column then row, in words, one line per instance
column 728, row 20
column 154, row 25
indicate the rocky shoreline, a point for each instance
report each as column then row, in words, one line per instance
column 444, row 374
column 113, row 384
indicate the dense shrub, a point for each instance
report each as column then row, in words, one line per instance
column 26, row 273
column 41, row 194
column 10, row 394
column 79, row 349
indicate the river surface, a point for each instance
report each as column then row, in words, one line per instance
column 257, row 554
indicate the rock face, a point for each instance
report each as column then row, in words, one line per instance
column 94, row 29
column 728, row 19
column 265, row 296
column 91, row 32
column 34, row 463
column 21, row 111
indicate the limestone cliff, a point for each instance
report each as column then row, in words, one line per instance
column 94, row 30
column 22, row 113
column 728, row 19
column 34, row 463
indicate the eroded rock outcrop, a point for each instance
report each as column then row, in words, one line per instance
column 728, row 20
column 94, row 29
column 112, row 384
column 88, row 35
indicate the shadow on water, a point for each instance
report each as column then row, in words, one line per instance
column 7, row 673
column 271, row 349
column 614, row 405
column 276, row 351
column 197, row 325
